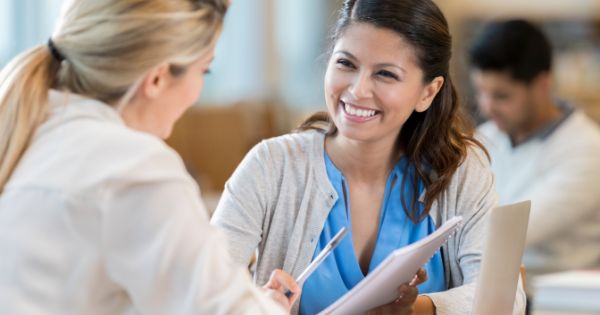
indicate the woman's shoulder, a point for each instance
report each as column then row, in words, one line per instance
column 474, row 177
column 79, row 153
column 94, row 128
column 96, row 136
column 295, row 146
column 471, row 191
column 578, row 134
column 134, row 152
column 476, row 161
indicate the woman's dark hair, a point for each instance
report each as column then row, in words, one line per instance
column 436, row 141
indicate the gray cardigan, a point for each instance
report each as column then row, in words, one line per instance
column 280, row 196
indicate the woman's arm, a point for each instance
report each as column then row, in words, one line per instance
column 471, row 195
column 243, row 207
column 159, row 247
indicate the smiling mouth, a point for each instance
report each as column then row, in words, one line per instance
column 358, row 112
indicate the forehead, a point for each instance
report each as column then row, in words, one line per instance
column 495, row 80
column 368, row 42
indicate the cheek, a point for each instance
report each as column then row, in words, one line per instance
column 329, row 89
column 337, row 80
column 193, row 90
column 185, row 97
column 398, row 98
column 329, row 82
column 495, row 104
column 334, row 85
column 511, row 107
column 392, row 96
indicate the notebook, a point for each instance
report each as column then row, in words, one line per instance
column 380, row 286
column 499, row 275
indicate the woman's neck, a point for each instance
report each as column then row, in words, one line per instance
column 360, row 160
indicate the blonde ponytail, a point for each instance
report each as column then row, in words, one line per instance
column 24, row 85
column 107, row 47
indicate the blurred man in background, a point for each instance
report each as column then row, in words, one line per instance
column 541, row 148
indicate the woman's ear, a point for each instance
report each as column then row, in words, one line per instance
column 155, row 81
column 429, row 93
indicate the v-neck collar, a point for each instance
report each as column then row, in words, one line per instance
column 338, row 180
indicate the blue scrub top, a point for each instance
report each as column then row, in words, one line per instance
column 340, row 272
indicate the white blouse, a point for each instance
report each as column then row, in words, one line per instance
column 101, row 219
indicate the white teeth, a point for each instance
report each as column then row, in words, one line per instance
column 358, row 112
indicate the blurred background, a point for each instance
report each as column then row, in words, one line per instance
column 267, row 75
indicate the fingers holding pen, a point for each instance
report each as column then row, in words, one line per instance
column 283, row 288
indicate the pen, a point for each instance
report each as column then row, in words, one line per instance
column 335, row 241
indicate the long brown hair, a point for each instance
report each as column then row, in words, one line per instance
column 436, row 141
column 100, row 49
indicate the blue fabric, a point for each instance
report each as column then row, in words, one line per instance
column 340, row 272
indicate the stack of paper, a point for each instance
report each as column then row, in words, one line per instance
column 380, row 286
column 572, row 292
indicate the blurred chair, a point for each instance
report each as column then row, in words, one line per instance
column 212, row 140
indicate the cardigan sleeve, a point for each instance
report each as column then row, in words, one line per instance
column 243, row 207
column 473, row 185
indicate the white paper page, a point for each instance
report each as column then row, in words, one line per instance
column 381, row 285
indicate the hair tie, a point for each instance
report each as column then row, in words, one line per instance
column 55, row 53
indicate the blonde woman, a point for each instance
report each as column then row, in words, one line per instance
column 97, row 214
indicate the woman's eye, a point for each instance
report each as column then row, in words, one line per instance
column 345, row 62
column 388, row 74
column 207, row 71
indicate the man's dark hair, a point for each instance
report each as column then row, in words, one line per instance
column 516, row 46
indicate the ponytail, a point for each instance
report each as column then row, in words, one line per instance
column 24, row 85
column 107, row 47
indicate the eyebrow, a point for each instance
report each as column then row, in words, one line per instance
column 382, row 65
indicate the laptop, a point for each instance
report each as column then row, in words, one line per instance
column 503, row 249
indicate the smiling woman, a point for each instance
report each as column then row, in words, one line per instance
column 400, row 80
column 390, row 160
column 383, row 86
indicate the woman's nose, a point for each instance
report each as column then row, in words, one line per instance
column 361, row 86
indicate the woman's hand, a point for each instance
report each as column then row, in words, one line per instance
column 279, row 283
column 407, row 295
